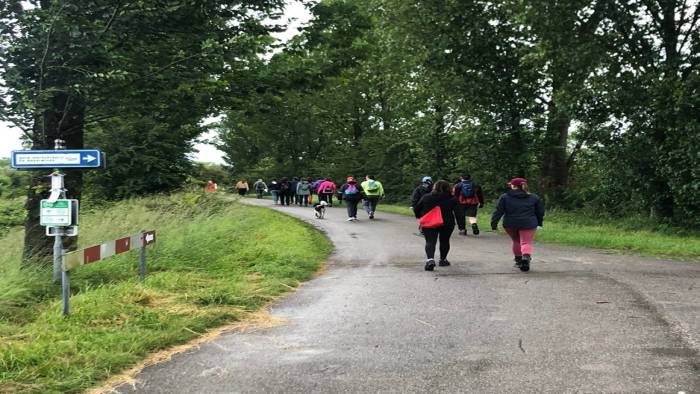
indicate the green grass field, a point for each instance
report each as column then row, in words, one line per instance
column 215, row 262
column 634, row 235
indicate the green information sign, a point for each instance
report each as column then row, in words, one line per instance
column 58, row 213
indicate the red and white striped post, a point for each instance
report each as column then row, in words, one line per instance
column 96, row 253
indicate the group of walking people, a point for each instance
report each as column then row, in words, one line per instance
column 441, row 206
column 300, row 191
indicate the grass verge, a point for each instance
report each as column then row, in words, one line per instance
column 215, row 262
column 635, row 235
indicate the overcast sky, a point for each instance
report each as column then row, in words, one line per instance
column 296, row 12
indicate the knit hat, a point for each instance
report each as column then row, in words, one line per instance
column 517, row 181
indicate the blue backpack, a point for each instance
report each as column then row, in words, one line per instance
column 467, row 190
column 350, row 190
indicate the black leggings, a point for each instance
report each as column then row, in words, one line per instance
column 352, row 208
column 431, row 238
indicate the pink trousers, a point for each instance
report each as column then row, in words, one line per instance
column 522, row 240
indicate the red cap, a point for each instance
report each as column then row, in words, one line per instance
column 517, row 181
column 350, row 179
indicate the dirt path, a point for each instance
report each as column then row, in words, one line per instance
column 580, row 321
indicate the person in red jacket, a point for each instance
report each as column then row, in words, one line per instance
column 470, row 198
column 325, row 190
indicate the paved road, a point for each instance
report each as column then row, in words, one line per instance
column 580, row 321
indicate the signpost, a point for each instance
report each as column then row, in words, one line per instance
column 57, row 213
column 78, row 158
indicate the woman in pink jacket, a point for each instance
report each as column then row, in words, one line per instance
column 325, row 191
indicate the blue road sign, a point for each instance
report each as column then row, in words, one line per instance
column 79, row 158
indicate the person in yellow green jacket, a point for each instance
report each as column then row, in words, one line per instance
column 374, row 191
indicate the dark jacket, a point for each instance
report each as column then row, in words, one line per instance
column 419, row 192
column 457, row 192
column 521, row 210
column 351, row 197
column 274, row 185
column 447, row 205
column 293, row 186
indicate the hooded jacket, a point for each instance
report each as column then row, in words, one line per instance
column 323, row 185
column 423, row 189
column 350, row 197
column 520, row 210
column 378, row 190
column 447, row 205
column 304, row 188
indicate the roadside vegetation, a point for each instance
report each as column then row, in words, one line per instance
column 633, row 234
column 215, row 262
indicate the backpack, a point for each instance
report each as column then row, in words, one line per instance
column 467, row 190
column 328, row 189
column 372, row 186
column 350, row 190
column 305, row 187
column 284, row 186
column 259, row 186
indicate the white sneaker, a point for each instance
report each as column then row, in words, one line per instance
column 351, row 219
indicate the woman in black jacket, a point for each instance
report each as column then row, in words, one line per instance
column 524, row 213
column 440, row 196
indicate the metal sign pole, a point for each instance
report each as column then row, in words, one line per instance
column 142, row 257
column 65, row 291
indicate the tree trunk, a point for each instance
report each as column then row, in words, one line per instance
column 554, row 169
column 63, row 120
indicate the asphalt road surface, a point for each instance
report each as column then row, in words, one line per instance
column 581, row 321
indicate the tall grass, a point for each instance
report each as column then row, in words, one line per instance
column 215, row 261
column 633, row 234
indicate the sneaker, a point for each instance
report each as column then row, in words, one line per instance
column 475, row 229
column 463, row 232
column 518, row 261
column 351, row 219
column 355, row 218
column 444, row 263
column 430, row 265
column 525, row 265
column 371, row 215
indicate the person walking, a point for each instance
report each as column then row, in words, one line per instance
column 275, row 191
column 470, row 198
column 303, row 192
column 374, row 191
column 351, row 192
column 211, row 186
column 260, row 187
column 285, row 192
column 523, row 214
column 326, row 189
column 312, row 188
column 441, row 196
column 293, row 190
column 425, row 187
column 242, row 187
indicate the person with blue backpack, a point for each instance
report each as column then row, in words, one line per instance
column 470, row 198
column 352, row 193
column 374, row 191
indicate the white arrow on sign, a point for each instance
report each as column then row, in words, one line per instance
column 149, row 237
column 90, row 158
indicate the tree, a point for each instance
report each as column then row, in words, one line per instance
column 73, row 66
